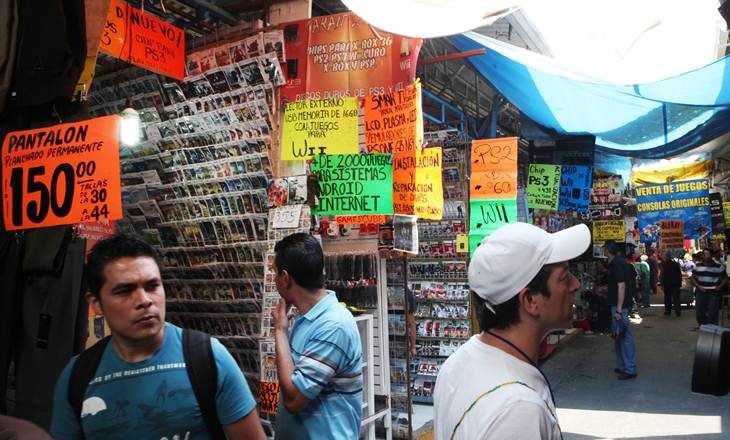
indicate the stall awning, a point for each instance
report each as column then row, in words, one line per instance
column 651, row 120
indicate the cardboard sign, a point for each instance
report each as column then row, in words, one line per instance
column 486, row 215
column 354, row 184
column 394, row 121
column 543, row 186
column 144, row 40
column 672, row 234
column 361, row 219
column 493, row 169
column 268, row 397
column 605, row 199
column 327, row 126
column 686, row 200
column 417, row 184
column 63, row 174
column 609, row 230
column 575, row 188
column 285, row 217
column 342, row 55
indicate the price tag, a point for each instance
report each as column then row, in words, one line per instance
column 64, row 174
column 286, row 217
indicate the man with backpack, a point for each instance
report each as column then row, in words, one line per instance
column 149, row 379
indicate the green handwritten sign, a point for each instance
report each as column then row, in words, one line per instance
column 354, row 184
column 486, row 215
column 543, row 186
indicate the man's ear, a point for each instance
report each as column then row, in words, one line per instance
column 286, row 278
column 528, row 300
column 94, row 303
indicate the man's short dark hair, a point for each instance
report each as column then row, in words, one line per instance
column 301, row 256
column 507, row 314
column 110, row 249
column 611, row 247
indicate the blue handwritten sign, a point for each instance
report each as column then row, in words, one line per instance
column 575, row 188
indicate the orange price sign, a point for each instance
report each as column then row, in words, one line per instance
column 144, row 40
column 63, row 174
column 494, row 168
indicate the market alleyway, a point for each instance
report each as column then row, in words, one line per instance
column 658, row 404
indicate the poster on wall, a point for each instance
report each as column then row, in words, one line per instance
column 575, row 188
column 341, row 55
column 405, row 233
column 493, row 168
column 686, row 200
column 543, row 186
column 325, row 126
column 144, row 40
column 394, row 121
column 354, row 184
column 605, row 199
column 63, row 174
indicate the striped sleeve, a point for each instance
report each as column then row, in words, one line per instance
column 324, row 355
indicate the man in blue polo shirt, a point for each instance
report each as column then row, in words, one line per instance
column 320, row 363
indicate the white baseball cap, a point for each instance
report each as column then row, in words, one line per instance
column 511, row 257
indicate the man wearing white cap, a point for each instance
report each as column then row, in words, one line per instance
column 491, row 387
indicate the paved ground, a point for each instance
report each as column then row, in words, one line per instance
column 658, row 404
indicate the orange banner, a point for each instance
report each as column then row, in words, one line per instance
column 394, row 121
column 493, row 168
column 417, row 187
column 360, row 219
column 341, row 55
column 64, row 174
column 143, row 39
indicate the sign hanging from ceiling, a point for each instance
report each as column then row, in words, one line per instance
column 394, row 121
column 493, row 168
column 686, row 200
column 144, row 40
column 62, row 175
column 342, row 55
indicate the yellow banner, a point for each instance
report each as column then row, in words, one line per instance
column 609, row 230
column 324, row 126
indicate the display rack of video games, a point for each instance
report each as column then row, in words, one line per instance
column 437, row 276
column 398, row 348
column 195, row 186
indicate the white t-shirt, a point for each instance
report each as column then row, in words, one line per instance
column 510, row 412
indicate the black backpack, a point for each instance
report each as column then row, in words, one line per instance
column 199, row 362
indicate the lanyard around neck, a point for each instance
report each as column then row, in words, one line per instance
column 529, row 361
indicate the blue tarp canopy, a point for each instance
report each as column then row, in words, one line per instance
column 651, row 120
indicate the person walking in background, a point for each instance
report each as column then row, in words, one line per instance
column 671, row 283
column 619, row 277
column 492, row 387
column 653, row 270
column 319, row 364
column 709, row 280
column 642, row 267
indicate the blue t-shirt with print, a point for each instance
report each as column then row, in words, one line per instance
column 151, row 399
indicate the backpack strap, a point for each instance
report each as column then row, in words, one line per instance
column 203, row 374
column 82, row 373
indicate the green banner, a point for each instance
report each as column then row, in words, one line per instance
column 543, row 186
column 486, row 215
column 354, row 184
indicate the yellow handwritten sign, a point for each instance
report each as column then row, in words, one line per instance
column 493, row 168
column 609, row 230
column 394, row 121
column 417, row 187
column 324, row 126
